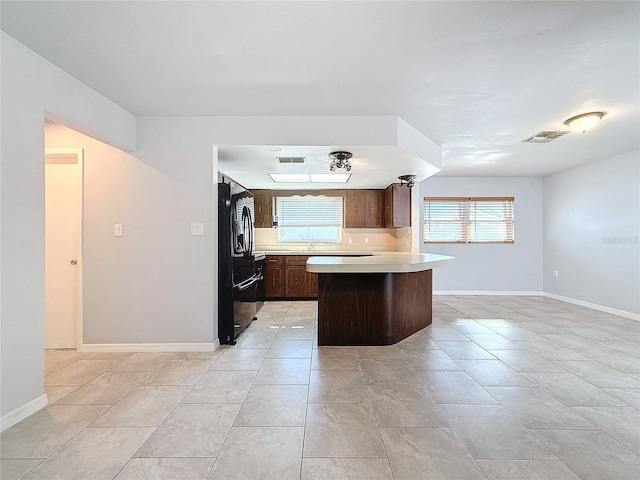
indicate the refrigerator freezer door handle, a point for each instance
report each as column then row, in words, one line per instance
column 247, row 283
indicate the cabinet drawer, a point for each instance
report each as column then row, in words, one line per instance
column 274, row 260
column 296, row 259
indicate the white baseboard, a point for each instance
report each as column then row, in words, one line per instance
column 594, row 306
column 524, row 293
column 20, row 413
column 149, row 347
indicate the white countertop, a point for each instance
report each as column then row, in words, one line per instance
column 379, row 262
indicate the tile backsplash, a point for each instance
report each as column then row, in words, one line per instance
column 380, row 239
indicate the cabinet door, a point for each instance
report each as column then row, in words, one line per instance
column 374, row 203
column 355, row 209
column 388, row 207
column 262, row 208
column 397, row 205
column 295, row 281
column 311, row 280
column 274, row 281
column 401, row 206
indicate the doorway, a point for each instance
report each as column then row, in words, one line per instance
column 63, row 247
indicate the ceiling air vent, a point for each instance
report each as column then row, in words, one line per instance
column 291, row 159
column 546, row 136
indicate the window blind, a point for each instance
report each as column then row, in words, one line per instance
column 244, row 202
column 491, row 220
column 468, row 220
column 309, row 219
column 445, row 220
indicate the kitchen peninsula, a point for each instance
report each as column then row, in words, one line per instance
column 374, row 300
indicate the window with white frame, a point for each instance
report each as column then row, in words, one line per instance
column 311, row 218
column 241, row 203
column 468, row 220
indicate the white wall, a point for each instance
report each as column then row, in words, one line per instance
column 155, row 283
column 32, row 86
column 591, row 230
column 493, row 267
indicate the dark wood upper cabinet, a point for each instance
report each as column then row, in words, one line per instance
column 375, row 209
column 390, row 208
column 397, row 206
column 363, row 209
column 355, row 214
column 262, row 208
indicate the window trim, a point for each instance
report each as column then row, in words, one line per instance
column 469, row 224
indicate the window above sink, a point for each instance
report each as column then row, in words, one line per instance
column 309, row 219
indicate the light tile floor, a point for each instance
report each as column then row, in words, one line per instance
column 497, row 388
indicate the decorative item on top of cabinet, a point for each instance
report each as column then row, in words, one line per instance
column 262, row 208
column 363, row 209
column 397, row 206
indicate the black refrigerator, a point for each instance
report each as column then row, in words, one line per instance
column 237, row 276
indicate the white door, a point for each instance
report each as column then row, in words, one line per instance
column 63, row 247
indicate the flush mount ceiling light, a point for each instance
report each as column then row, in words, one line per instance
column 340, row 160
column 584, row 122
column 310, row 177
column 330, row 177
column 289, row 177
column 408, row 180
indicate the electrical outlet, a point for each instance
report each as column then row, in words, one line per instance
column 197, row 229
column 117, row 229
column 555, row 273
column 349, row 240
column 529, row 274
column 366, row 239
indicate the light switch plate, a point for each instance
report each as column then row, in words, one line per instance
column 197, row 229
column 366, row 239
column 117, row 229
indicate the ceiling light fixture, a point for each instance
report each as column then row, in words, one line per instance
column 329, row 177
column 310, row 177
column 584, row 122
column 340, row 160
column 408, row 180
column 289, row 177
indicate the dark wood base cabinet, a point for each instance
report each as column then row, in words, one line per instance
column 274, row 282
column 372, row 308
column 286, row 277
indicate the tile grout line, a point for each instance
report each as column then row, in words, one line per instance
column 424, row 386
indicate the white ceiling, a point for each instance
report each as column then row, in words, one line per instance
column 475, row 77
column 372, row 166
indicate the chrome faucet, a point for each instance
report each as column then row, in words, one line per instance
column 310, row 246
